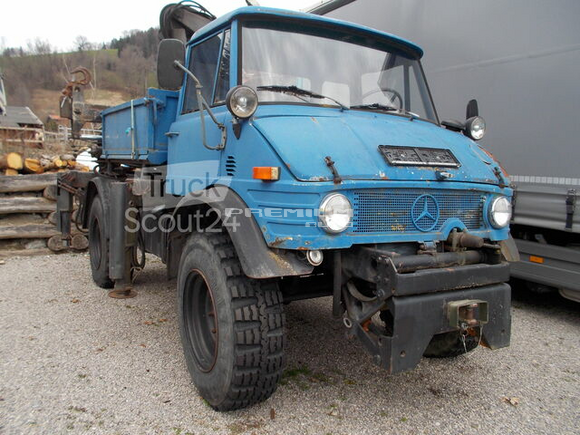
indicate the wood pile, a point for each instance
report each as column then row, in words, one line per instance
column 15, row 163
column 28, row 215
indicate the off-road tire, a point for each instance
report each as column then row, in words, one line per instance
column 99, row 245
column 240, row 363
column 449, row 345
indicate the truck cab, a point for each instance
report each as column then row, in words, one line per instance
column 312, row 154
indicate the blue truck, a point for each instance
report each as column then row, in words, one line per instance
column 289, row 156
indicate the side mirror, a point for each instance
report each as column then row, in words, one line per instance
column 168, row 75
column 472, row 109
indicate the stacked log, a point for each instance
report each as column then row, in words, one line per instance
column 28, row 217
column 14, row 163
column 26, row 183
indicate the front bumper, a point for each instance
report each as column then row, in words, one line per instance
column 416, row 291
column 416, row 319
column 404, row 275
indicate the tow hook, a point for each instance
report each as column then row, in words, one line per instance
column 467, row 313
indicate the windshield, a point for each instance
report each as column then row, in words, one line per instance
column 358, row 73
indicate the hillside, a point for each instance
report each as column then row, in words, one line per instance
column 122, row 69
column 44, row 102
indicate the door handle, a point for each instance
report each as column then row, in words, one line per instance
column 172, row 133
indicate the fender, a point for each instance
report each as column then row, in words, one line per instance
column 98, row 186
column 258, row 260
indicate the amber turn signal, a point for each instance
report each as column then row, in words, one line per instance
column 266, row 173
column 535, row 259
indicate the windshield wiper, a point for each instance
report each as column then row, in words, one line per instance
column 296, row 91
column 385, row 108
column 377, row 106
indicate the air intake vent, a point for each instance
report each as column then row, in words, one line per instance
column 231, row 166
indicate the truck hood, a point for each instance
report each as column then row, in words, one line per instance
column 304, row 135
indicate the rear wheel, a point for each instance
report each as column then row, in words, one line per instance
column 231, row 326
column 99, row 245
column 450, row 344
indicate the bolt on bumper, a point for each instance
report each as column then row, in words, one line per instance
column 416, row 319
column 424, row 295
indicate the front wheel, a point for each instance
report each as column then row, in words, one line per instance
column 231, row 326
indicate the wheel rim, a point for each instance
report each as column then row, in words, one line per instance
column 200, row 319
column 95, row 243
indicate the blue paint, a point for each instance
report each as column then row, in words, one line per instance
column 389, row 201
column 152, row 117
column 300, row 200
column 352, row 138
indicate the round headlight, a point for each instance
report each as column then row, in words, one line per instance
column 500, row 212
column 335, row 213
column 475, row 127
column 242, row 101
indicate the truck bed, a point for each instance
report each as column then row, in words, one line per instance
column 135, row 130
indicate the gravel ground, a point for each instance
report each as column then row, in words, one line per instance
column 73, row 360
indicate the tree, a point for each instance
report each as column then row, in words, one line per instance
column 134, row 68
column 82, row 43
column 40, row 47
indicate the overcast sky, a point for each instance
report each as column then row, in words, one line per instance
column 60, row 21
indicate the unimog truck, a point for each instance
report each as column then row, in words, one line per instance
column 289, row 156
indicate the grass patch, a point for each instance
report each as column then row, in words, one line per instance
column 295, row 372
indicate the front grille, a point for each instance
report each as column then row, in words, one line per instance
column 384, row 210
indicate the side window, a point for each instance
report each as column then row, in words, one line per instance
column 203, row 63
column 223, row 80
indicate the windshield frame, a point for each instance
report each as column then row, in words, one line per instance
column 330, row 31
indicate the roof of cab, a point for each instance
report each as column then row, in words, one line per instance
column 412, row 49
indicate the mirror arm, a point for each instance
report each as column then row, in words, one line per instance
column 201, row 103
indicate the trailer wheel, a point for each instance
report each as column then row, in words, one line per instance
column 99, row 245
column 231, row 326
column 450, row 345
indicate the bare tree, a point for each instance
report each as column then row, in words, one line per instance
column 82, row 43
column 39, row 47
column 135, row 68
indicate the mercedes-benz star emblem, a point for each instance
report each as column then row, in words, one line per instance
column 425, row 213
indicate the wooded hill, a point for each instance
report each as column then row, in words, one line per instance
column 125, row 65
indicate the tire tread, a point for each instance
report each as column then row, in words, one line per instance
column 259, row 332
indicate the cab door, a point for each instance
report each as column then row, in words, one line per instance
column 192, row 166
